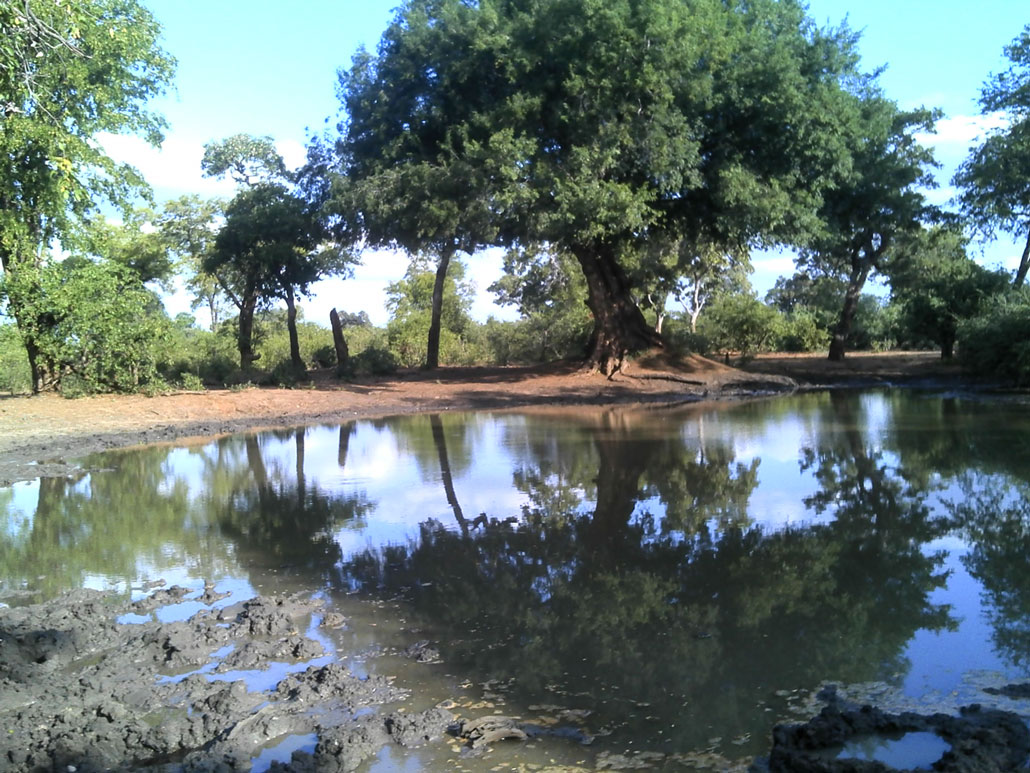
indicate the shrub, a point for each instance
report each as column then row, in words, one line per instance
column 801, row 331
column 15, row 376
column 740, row 323
column 997, row 342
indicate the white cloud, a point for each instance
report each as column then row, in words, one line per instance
column 962, row 130
column 294, row 153
column 173, row 169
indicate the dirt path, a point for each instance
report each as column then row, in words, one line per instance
column 38, row 435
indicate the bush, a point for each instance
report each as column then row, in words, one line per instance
column 372, row 361
column 801, row 332
column 191, row 382
column 997, row 342
column 94, row 324
column 15, row 376
column 740, row 323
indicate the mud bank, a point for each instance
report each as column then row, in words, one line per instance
column 978, row 740
column 91, row 682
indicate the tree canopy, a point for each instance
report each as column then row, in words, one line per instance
column 594, row 126
column 70, row 70
column 995, row 179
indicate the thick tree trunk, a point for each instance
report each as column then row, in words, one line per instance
column 433, row 348
column 339, row 342
column 245, row 341
column 1024, row 265
column 856, row 282
column 291, row 323
column 619, row 325
column 948, row 346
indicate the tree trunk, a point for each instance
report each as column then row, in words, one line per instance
column 856, row 282
column 445, row 472
column 433, row 348
column 948, row 346
column 1024, row 265
column 339, row 342
column 619, row 325
column 245, row 340
column 291, row 324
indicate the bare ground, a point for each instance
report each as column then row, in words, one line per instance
column 39, row 435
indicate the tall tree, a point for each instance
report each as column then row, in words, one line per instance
column 995, row 179
column 271, row 245
column 878, row 197
column 267, row 248
column 68, row 71
column 592, row 126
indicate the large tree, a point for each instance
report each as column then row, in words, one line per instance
column 995, row 179
column 593, row 126
column 69, row 71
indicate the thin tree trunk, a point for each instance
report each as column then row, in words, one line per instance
column 339, row 342
column 619, row 325
column 291, row 324
column 298, row 439
column 838, row 344
column 1024, row 265
column 445, row 472
column 433, row 348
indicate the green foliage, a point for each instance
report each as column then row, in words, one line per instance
column 801, row 332
column 191, row 382
column 996, row 342
column 995, row 179
column 936, row 286
column 187, row 227
column 410, row 302
column 740, row 323
column 246, row 159
column 372, row 361
column 598, row 128
column 71, row 70
column 550, row 293
column 15, row 376
column 95, row 325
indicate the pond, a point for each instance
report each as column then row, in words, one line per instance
column 659, row 585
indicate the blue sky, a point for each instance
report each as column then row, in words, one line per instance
column 269, row 68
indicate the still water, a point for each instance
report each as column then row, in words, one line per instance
column 669, row 582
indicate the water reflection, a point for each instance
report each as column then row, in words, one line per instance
column 664, row 607
column 677, row 571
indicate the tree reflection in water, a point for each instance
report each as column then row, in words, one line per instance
column 662, row 600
